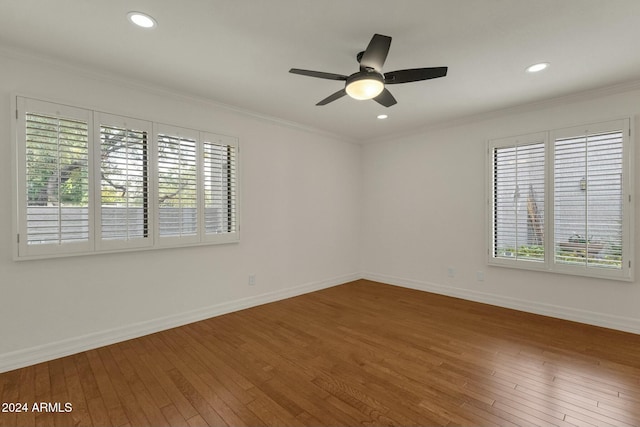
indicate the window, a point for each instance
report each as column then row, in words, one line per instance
column 177, row 184
column 518, row 199
column 123, row 175
column 220, row 186
column 54, row 178
column 91, row 182
column 561, row 201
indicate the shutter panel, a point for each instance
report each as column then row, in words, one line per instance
column 124, row 182
column 518, row 201
column 56, row 179
column 220, row 185
column 588, row 205
column 177, row 184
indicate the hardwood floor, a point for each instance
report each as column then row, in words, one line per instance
column 362, row 353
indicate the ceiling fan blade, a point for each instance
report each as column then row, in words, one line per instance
column 376, row 53
column 339, row 94
column 318, row 74
column 385, row 98
column 414, row 75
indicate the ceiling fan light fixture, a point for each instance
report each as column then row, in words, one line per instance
column 364, row 86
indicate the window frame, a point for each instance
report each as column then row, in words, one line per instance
column 549, row 137
column 96, row 244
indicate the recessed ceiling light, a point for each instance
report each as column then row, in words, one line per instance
column 382, row 116
column 537, row 67
column 142, row 19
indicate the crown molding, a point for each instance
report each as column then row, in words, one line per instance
column 121, row 80
column 132, row 83
column 628, row 86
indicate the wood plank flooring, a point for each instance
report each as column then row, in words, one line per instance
column 362, row 353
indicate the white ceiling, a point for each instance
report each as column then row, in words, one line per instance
column 238, row 52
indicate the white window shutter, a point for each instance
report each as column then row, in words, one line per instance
column 89, row 182
column 124, row 217
column 589, row 198
column 54, row 150
column 518, row 200
column 585, row 174
column 177, row 189
column 220, row 185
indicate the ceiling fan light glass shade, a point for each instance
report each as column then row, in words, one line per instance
column 366, row 87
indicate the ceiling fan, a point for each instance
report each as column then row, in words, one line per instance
column 369, row 82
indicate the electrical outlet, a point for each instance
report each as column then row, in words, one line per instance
column 451, row 272
column 252, row 280
column 480, row 276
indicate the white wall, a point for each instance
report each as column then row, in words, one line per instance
column 300, row 226
column 424, row 212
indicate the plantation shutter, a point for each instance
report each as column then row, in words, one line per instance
column 124, row 214
column 89, row 182
column 588, row 198
column 54, row 203
column 177, row 183
column 220, row 186
column 518, row 200
column 586, row 229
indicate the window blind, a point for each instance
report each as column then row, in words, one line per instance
column 124, row 183
column 584, row 176
column 518, row 201
column 57, row 179
column 220, row 184
column 177, row 185
column 588, row 200
column 90, row 182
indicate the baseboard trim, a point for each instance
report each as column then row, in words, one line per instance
column 620, row 323
column 42, row 353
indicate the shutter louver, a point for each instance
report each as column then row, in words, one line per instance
column 588, row 203
column 220, row 188
column 57, row 180
column 124, row 183
column 518, row 202
column 177, row 186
